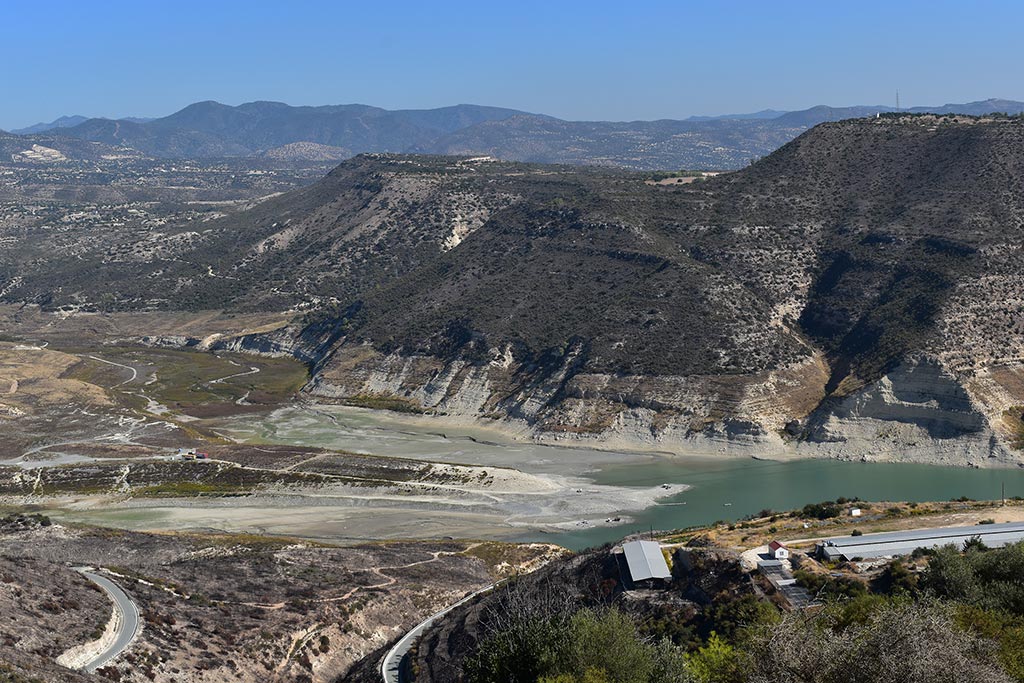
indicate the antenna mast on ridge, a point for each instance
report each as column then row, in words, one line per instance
column 897, row 100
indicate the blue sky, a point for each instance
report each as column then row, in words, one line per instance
column 612, row 60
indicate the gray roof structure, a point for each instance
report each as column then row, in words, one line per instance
column 645, row 560
column 898, row 543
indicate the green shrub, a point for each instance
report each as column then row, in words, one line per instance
column 590, row 646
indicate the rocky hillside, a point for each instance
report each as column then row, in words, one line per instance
column 855, row 294
column 48, row 148
column 219, row 608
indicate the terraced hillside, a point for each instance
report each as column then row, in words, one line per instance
column 855, row 294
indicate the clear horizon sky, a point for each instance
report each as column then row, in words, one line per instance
column 606, row 60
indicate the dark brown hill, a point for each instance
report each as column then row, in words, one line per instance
column 862, row 280
column 863, row 229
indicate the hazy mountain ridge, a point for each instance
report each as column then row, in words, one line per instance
column 60, row 122
column 69, row 122
column 762, row 114
column 210, row 130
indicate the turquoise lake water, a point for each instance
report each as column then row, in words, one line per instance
column 722, row 488
column 754, row 485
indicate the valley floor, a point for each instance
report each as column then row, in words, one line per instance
column 95, row 426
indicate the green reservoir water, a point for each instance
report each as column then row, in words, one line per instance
column 754, row 485
column 747, row 485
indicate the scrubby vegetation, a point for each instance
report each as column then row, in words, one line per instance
column 891, row 641
column 988, row 588
column 223, row 607
column 825, row 510
column 603, row 645
column 946, row 615
column 378, row 402
column 9, row 675
column 888, row 641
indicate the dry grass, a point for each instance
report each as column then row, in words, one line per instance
column 801, row 532
column 35, row 378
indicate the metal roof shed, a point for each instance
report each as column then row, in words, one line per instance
column 645, row 560
column 898, row 543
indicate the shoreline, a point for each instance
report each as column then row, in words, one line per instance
column 487, row 499
column 516, row 486
column 954, row 452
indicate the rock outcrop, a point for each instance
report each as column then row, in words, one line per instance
column 919, row 412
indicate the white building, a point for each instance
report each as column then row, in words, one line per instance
column 778, row 551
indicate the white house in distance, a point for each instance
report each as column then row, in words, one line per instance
column 778, row 551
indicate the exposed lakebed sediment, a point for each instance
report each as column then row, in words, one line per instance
column 589, row 486
column 343, row 474
column 343, row 482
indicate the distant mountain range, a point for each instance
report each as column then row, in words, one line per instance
column 763, row 114
column 68, row 122
column 272, row 129
column 211, row 129
column 62, row 122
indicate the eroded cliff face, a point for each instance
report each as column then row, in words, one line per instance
column 919, row 412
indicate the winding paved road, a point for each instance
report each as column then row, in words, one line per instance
column 391, row 665
column 129, row 621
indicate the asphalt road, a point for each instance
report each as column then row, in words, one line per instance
column 129, row 620
column 391, row 665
